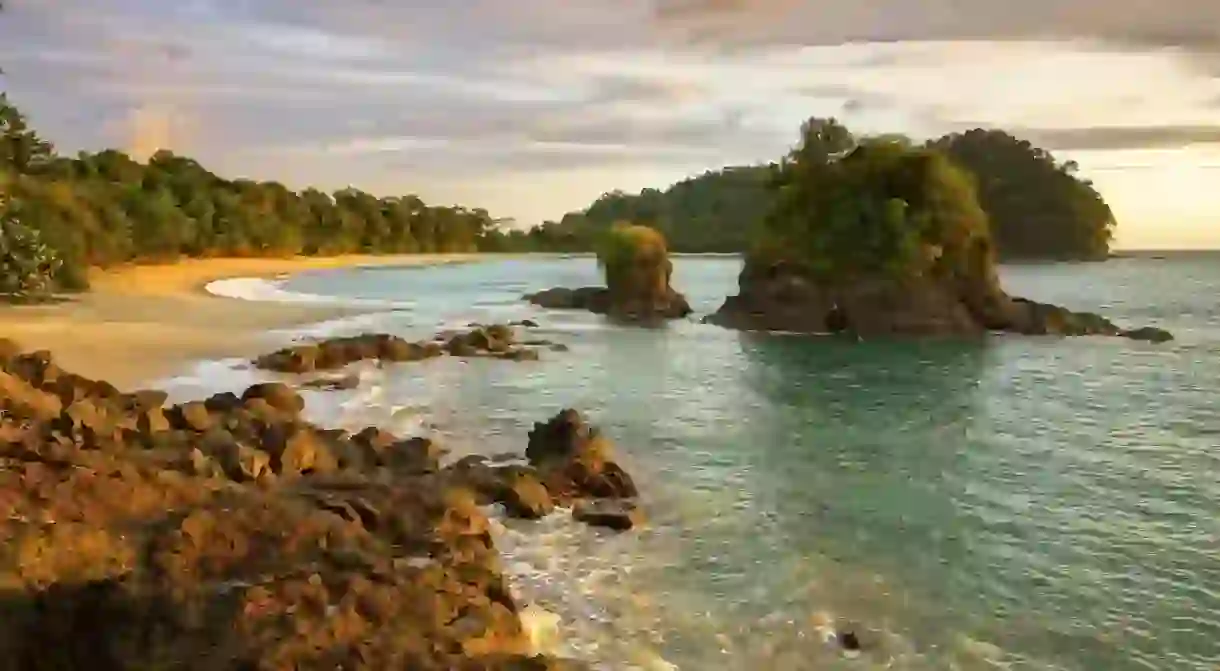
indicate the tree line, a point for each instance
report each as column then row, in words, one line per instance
column 106, row 208
column 61, row 215
column 1037, row 206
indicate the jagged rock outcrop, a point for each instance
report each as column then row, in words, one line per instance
column 496, row 341
column 230, row 533
column 778, row 297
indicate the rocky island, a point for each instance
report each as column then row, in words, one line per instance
column 877, row 237
column 231, row 533
column 636, row 264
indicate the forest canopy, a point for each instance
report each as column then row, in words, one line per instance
column 107, row 208
column 844, row 207
column 1037, row 206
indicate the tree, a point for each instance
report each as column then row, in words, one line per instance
column 882, row 207
column 21, row 149
column 1038, row 207
column 635, row 260
column 27, row 265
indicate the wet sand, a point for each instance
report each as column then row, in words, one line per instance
column 142, row 323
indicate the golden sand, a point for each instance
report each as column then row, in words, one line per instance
column 142, row 323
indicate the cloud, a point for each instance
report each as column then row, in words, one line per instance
column 150, row 128
column 468, row 97
column 1191, row 24
column 1120, row 137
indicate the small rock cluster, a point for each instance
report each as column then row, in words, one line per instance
column 570, row 464
column 230, row 533
column 599, row 300
column 496, row 341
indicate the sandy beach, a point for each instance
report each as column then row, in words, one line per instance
column 142, row 323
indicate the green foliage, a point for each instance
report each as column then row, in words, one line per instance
column 27, row 265
column 1038, row 207
column 21, row 150
column 634, row 259
column 844, row 208
column 626, row 244
column 106, row 208
column 714, row 212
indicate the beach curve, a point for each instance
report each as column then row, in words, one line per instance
column 146, row 322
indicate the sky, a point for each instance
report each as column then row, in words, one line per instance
column 533, row 108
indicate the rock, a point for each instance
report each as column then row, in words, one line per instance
column 297, row 450
column 244, row 463
column 413, row 455
column 523, row 494
column 616, row 514
column 779, row 296
column 502, row 333
column 526, row 323
column 1149, row 334
column 9, row 350
column 520, row 354
column 459, row 346
column 394, row 349
column 205, row 466
column 36, row 368
column 21, row 400
column 223, row 402
column 575, row 460
column 145, row 399
column 299, row 359
column 598, row 300
column 193, row 416
column 343, row 383
column 278, row 395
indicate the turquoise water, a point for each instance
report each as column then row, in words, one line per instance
column 1015, row 503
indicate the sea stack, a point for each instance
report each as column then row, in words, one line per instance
column 881, row 238
column 636, row 265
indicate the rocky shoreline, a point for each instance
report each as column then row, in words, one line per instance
column 232, row 533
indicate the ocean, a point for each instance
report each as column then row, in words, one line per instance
column 1009, row 503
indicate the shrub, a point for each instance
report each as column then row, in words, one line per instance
column 27, row 265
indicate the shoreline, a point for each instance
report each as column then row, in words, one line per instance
column 143, row 323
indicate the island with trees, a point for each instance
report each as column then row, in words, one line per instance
column 878, row 236
column 636, row 265
column 1037, row 207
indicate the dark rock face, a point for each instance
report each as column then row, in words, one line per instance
column 598, row 300
column 777, row 297
column 576, row 461
column 233, row 534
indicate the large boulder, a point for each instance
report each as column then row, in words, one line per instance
column 576, row 461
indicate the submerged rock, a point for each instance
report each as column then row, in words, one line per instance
column 340, row 383
column 495, row 340
column 1149, row 334
column 618, row 515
